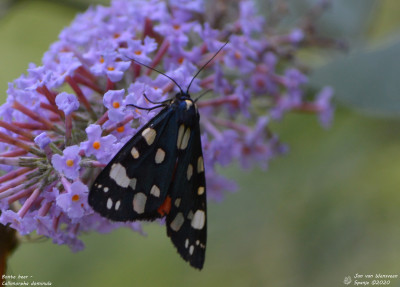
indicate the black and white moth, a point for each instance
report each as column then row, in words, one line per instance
column 160, row 173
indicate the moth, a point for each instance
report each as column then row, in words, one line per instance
column 160, row 173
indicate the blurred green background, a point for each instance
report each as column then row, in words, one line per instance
column 328, row 209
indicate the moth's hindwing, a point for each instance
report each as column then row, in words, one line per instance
column 136, row 181
column 187, row 220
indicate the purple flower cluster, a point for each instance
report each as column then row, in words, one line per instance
column 64, row 120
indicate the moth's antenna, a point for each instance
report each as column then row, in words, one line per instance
column 165, row 75
column 201, row 69
column 202, row 95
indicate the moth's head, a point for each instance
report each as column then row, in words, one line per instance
column 186, row 108
column 182, row 96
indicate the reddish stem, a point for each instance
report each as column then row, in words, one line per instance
column 32, row 115
column 16, row 130
column 29, row 202
column 14, row 153
column 31, row 126
column 233, row 100
column 12, row 141
column 81, row 96
column 158, row 57
column 14, row 173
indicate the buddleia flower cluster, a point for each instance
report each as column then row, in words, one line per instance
column 65, row 119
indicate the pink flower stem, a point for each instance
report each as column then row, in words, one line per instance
column 102, row 119
column 12, row 174
column 68, row 130
column 211, row 128
column 17, row 130
column 52, row 109
column 12, row 141
column 45, row 208
column 31, row 126
column 49, row 95
column 29, row 202
column 307, row 108
column 21, row 179
column 14, row 153
column 80, row 80
column 21, row 194
column 110, row 85
column 56, row 221
column 158, row 57
column 233, row 100
column 81, row 96
column 229, row 124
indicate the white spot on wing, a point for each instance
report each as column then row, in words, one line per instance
column 180, row 135
column 118, row 173
column 117, row 204
column 177, row 202
column 200, row 190
column 106, row 189
column 155, row 191
column 132, row 183
column 149, row 135
column 189, row 172
column 200, row 164
column 191, row 249
column 199, row 219
column 109, row 203
column 139, row 202
column 185, row 139
column 187, row 243
column 160, row 155
column 135, row 153
column 177, row 222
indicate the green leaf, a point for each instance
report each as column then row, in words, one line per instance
column 368, row 81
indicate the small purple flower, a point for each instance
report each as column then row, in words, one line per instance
column 24, row 225
column 324, row 106
column 296, row 36
column 249, row 21
column 67, row 102
column 138, row 51
column 101, row 147
column 68, row 163
column 108, row 64
column 74, row 201
column 114, row 101
column 240, row 56
column 42, row 140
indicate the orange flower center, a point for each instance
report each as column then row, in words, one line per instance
column 120, row 129
column 111, row 68
column 115, row 105
column 75, row 197
column 101, row 60
column 70, row 162
column 138, row 52
column 96, row 145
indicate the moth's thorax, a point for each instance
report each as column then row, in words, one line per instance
column 186, row 108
